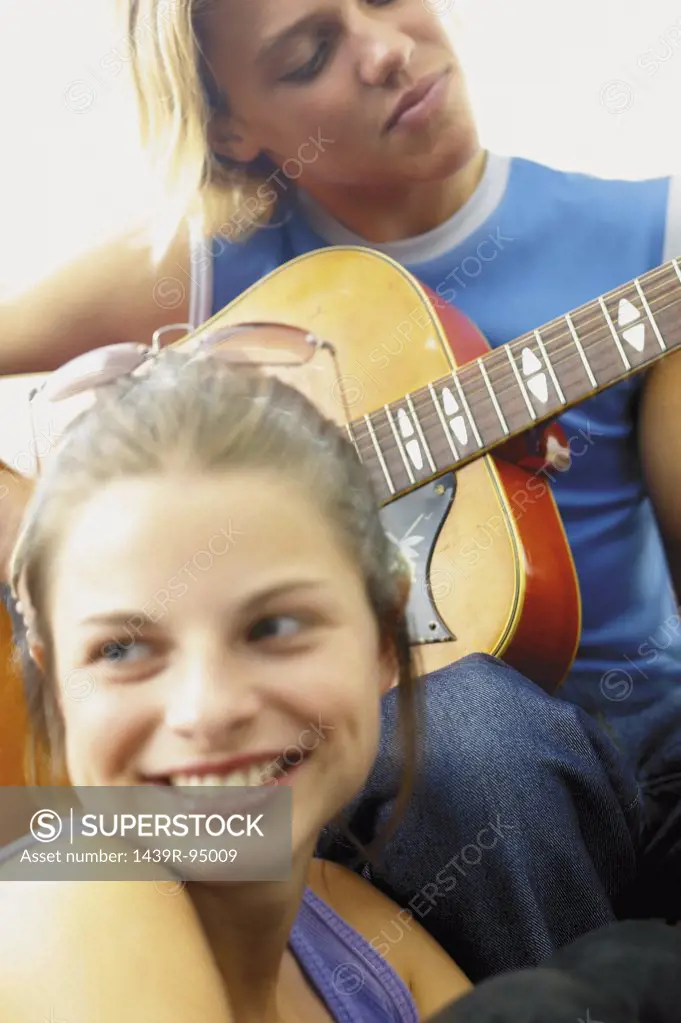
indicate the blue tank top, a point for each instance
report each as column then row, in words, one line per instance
column 531, row 244
column 354, row 982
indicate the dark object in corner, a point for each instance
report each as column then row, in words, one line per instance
column 629, row 972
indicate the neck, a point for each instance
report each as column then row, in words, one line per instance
column 390, row 214
column 247, row 927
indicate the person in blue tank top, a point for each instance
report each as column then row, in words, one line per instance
column 279, row 129
column 238, row 679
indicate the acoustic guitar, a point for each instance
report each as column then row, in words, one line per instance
column 492, row 569
column 440, row 425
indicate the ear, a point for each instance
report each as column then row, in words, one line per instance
column 228, row 138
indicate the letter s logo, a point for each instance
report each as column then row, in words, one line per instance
column 46, row 825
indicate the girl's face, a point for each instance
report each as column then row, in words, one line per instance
column 213, row 630
column 316, row 85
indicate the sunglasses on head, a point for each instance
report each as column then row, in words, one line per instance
column 277, row 347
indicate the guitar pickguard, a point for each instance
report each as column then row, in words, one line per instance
column 414, row 522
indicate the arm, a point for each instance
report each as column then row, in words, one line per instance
column 110, row 295
column 105, row 951
column 660, row 447
column 431, row 975
column 114, row 293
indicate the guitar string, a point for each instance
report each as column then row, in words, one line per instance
column 563, row 344
column 555, row 345
column 553, row 350
column 601, row 325
column 509, row 375
column 383, row 431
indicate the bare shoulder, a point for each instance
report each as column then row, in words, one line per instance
column 432, row 976
column 351, row 895
column 106, row 951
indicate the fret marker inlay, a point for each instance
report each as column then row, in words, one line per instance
column 627, row 313
column 530, row 363
column 412, row 447
column 449, row 402
column 636, row 336
column 458, row 427
column 537, row 384
column 405, row 425
column 414, row 452
column 539, row 387
column 443, row 424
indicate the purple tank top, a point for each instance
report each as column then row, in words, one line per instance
column 355, row 983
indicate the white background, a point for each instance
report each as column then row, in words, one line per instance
column 575, row 84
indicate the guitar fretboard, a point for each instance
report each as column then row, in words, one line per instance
column 539, row 375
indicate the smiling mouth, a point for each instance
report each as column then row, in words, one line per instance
column 271, row 772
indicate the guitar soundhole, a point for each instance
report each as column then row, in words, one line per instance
column 414, row 523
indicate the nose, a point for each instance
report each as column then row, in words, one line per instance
column 210, row 699
column 384, row 52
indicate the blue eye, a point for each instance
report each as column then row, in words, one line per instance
column 117, row 651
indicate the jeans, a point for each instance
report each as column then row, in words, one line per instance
column 526, row 828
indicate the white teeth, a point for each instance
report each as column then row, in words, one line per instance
column 256, row 774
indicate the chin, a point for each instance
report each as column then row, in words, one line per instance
column 444, row 151
column 440, row 165
column 446, row 164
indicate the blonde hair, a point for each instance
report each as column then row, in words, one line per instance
column 201, row 416
column 176, row 97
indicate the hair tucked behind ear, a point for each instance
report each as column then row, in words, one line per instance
column 176, row 97
column 202, row 417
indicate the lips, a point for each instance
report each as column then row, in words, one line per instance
column 237, row 772
column 413, row 97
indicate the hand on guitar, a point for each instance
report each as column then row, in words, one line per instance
column 15, row 492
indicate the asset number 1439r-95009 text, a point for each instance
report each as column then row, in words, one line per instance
column 191, row 856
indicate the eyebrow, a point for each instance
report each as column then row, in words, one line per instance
column 140, row 618
column 297, row 28
column 119, row 618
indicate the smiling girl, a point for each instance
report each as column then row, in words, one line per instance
column 300, row 620
column 281, row 126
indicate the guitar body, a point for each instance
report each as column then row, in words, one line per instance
column 492, row 568
column 13, row 731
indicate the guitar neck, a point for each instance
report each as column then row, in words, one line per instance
column 539, row 375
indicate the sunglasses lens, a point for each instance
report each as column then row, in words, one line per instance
column 100, row 366
column 261, row 344
column 71, row 390
column 290, row 353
